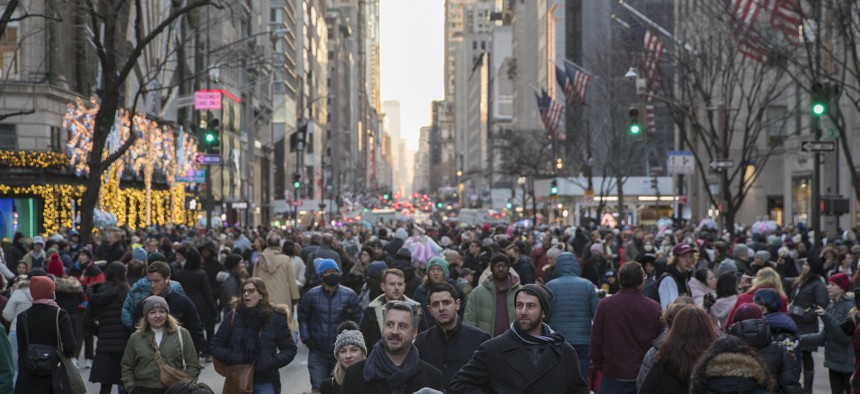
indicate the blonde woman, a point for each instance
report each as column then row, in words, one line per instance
column 766, row 278
column 140, row 374
column 349, row 348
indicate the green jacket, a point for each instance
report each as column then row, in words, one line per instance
column 481, row 305
column 138, row 361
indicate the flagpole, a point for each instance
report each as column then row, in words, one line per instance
column 656, row 26
column 578, row 67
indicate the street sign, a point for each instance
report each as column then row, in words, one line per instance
column 193, row 176
column 818, row 146
column 683, row 200
column 681, row 162
column 207, row 159
column 721, row 164
column 206, row 100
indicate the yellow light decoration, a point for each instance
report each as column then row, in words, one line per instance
column 33, row 159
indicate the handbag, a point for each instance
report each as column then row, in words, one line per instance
column 239, row 378
column 796, row 310
column 40, row 358
column 68, row 379
column 167, row 374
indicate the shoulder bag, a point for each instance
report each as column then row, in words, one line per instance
column 239, row 378
column 40, row 358
column 68, row 379
column 169, row 375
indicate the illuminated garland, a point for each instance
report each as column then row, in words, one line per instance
column 57, row 202
column 33, row 159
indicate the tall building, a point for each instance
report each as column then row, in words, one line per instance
column 285, row 88
column 391, row 109
column 339, row 154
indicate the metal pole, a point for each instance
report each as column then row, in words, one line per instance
column 724, row 155
column 815, row 210
column 209, row 202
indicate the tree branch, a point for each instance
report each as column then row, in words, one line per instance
column 16, row 113
column 7, row 15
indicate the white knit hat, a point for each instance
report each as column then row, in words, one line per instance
column 349, row 337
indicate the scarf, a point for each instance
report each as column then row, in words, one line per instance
column 253, row 319
column 46, row 301
column 380, row 367
column 547, row 335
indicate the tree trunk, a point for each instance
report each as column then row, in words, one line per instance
column 620, row 187
column 101, row 129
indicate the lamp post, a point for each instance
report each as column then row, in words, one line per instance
column 304, row 123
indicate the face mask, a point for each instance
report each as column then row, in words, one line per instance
column 331, row 280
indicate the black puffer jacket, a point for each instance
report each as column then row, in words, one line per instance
column 812, row 293
column 196, row 285
column 779, row 362
column 320, row 312
column 106, row 305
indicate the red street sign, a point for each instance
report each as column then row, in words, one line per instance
column 682, row 200
column 204, row 100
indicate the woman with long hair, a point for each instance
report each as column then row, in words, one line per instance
column 255, row 331
column 691, row 334
column 807, row 293
column 157, row 331
column 727, row 297
column 105, row 307
column 765, row 278
column 349, row 348
column 357, row 276
column 730, row 366
column 235, row 273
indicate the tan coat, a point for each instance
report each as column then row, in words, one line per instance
column 277, row 272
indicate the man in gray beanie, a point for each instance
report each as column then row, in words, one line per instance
column 528, row 358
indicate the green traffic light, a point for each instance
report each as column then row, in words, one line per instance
column 509, row 206
column 553, row 190
column 209, row 138
column 818, row 109
column 635, row 129
column 385, row 196
column 297, row 184
column 439, row 205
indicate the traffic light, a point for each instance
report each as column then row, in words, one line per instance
column 553, row 188
column 634, row 123
column 439, row 205
column 509, row 205
column 210, row 137
column 823, row 94
column 386, row 196
column 297, row 181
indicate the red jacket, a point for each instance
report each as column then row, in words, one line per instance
column 624, row 327
column 747, row 298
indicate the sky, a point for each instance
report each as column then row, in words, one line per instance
column 411, row 57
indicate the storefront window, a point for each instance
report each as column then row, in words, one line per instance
column 801, row 199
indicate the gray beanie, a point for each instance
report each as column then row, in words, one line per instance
column 153, row 302
column 741, row 251
column 553, row 252
column 728, row 265
column 349, row 337
column 765, row 255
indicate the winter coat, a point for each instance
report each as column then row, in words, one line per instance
column 138, row 367
column 7, row 367
column 42, row 321
column 412, row 279
column 19, row 301
column 838, row 347
column 277, row 272
column 574, row 301
column 449, row 351
column 503, row 365
column 230, row 287
column 106, row 306
column 421, row 297
column 14, row 255
column 732, row 373
column 624, row 327
column 35, row 261
column 780, row 363
column 747, row 298
column 196, row 285
column 526, row 270
column 274, row 351
column 321, row 252
column 139, row 291
column 320, row 312
column 649, row 359
column 698, row 291
column 481, row 306
column 476, row 263
column 110, row 252
column 183, row 309
column 660, row 380
column 69, row 294
column 354, row 383
column 372, row 321
column 720, row 310
column 812, row 293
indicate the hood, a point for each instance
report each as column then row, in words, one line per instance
column 755, row 332
column 222, row 276
column 781, row 322
column 266, row 261
column 401, row 233
column 406, row 267
column 738, row 365
column 68, row 285
column 567, row 265
column 513, row 281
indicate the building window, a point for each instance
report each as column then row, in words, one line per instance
column 9, row 56
column 801, row 199
column 777, row 120
column 8, row 137
column 55, row 139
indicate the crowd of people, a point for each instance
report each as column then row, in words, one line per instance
column 450, row 308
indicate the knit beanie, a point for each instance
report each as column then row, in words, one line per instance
column 139, row 254
column 728, row 265
column 553, row 253
column 325, row 265
column 232, row 261
column 155, row 256
column 52, row 251
column 153, row 302
column 349, row 337
column 42, row 288
column 748, row 312
column 55, row 266
column 440, row 262
column 596, row 247
column 543, row 294
column 741, row 251
column 500, row 257
column 764, row 255
column 841, row 280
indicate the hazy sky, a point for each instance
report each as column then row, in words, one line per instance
column 411, row 45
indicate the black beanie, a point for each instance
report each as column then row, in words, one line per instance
column 499, row 257
column 543, row 294
column 232, row 261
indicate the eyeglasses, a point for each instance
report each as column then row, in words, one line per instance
column 249, row 291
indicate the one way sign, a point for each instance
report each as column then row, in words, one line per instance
column 818, row 146
column 681, row 162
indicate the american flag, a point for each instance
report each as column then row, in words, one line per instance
column 573, row 82
column 746, row 13
column 787, row 17
column 550, row 112
column 651, row 63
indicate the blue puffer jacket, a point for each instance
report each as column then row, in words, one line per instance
column 236, row 343
column 574, row 301
column 320, row 312
column 139, row 291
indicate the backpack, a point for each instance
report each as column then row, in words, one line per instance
column 652, row 290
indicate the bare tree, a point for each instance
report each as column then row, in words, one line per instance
column 528, row 154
